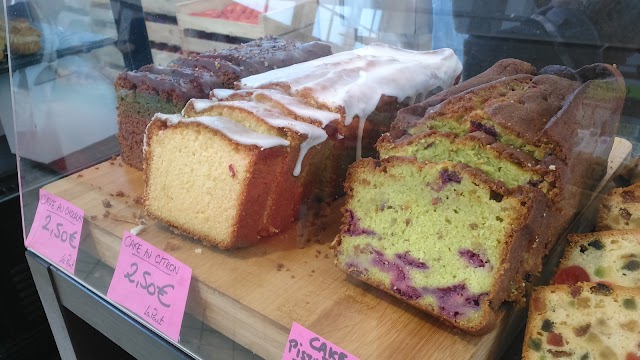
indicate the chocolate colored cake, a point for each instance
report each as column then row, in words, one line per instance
column 153, row 89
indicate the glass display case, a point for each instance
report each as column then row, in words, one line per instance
column 267, row 248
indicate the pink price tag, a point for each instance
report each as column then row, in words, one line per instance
column 303, row 344
column 152, row 284
column 56, row 229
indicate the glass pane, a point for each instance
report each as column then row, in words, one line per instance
column 246, row 184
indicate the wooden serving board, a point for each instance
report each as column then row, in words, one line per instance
column 253, row 295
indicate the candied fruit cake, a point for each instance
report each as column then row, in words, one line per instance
column 620, row 209
column 607, row 256
column 443, row 237
column 586, row 321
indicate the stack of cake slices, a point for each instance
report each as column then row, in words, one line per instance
column 156, row 89
column 541, row 141
column 235, row 168
column 592, row 310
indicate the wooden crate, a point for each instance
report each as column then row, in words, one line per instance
column 281, row 18
column 164, row 33
column 164, row 7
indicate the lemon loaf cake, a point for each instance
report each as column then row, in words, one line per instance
column 367, row 84
column 443, row 237
column 220, row 200
column 583, row 321
column 324, row 179
column 306, row 151
column 620, row 209
column 155, row 89
column 610, row 256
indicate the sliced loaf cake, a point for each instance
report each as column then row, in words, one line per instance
column 620, row 209
column 443, row 237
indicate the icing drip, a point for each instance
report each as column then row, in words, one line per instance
column 221, row 94
column 314, row 135
column 228, row 127
column 355, row 80
column 299, row 107
column 200, row 105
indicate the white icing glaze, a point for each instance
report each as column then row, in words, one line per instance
column 355, row 80
column 229, row 128
column 273, row 117
column 299, row 107
column 200, row 105
column 221, row 94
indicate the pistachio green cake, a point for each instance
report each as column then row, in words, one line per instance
column 442, row 236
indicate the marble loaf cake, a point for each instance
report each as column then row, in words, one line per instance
column 155, row 89
column 326, row 110
column 547, row 133
column 551, row 130
column 584, row 321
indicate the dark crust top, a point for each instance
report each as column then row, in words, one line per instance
column 176, row 84
column 195, row 77
column 499, row 70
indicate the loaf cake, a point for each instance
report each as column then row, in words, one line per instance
column 583, row 321
column 620, row 209
column 612, row 257
column 220, row 200
column 154, row 89
column 271, row 107
column 551, row 130
column 292, row 181
column 443, row 237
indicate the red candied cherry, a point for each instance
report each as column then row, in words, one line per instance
column 555, row 339
column 632, row 356
column 571, row 275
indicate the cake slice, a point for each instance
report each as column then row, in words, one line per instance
column 220, row 200
column 611, row 256
column 294, row 177
column 502, row 162
column 443, row 237
column 583, row 321
column 620, row 209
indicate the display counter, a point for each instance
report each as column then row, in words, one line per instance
column 86, row 207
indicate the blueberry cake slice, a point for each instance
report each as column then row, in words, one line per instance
column 443, row 237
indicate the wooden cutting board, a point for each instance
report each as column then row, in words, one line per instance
column 253, row 295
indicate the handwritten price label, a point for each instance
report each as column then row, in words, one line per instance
column 152, row 284
column 303, row 344
column 56, row 229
